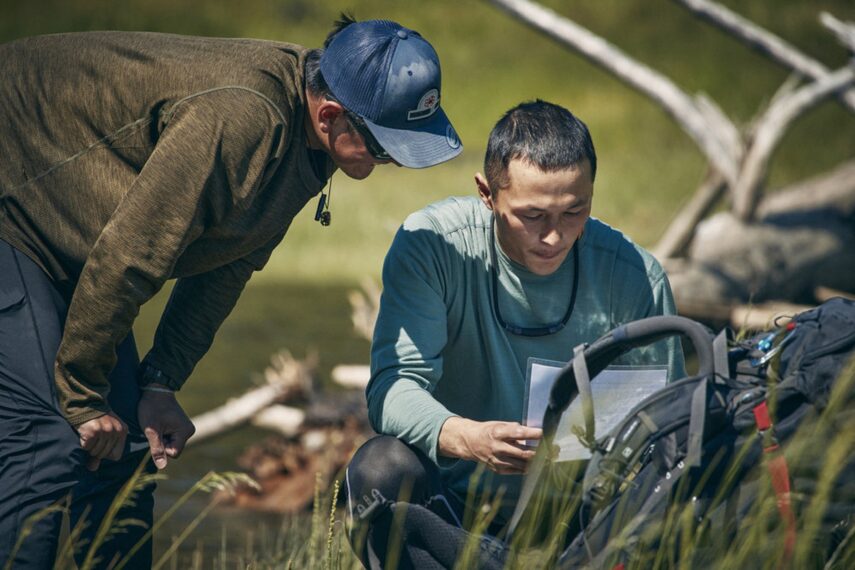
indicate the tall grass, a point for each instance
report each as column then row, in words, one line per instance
column 111, row 525
column 820, row 449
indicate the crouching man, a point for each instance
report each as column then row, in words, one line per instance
column 472, row 289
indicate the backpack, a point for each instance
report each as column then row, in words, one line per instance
column 749, row 460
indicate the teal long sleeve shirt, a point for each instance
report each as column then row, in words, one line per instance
column 439, row 350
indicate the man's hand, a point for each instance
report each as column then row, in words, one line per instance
column 165, row 425
column 103, row 437
column 499, row 445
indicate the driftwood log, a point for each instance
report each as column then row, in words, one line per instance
column 285, row 380
column 802, row 240
column 768, row 247
column 316, row 434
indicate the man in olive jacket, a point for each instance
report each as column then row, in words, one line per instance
column 132, row 158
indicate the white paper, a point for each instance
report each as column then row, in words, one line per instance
column 616, row 390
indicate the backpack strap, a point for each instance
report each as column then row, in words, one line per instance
column 541, row 458
column 700, row 400
column 583, row 382
column 697, row 422
column 618, row 342
column 779, row 473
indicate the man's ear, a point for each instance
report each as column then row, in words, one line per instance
column 484, row 190
column 328, row 112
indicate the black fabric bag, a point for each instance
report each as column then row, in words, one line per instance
column 684, row 473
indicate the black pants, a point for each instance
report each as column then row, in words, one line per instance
column 387, row 475
column 41, row 462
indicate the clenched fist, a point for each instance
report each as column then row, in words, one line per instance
column 164, row 424
column 103, row 438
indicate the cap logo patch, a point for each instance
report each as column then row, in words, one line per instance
column 427, row 106
column 451, row 137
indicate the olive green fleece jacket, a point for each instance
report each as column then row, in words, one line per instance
column 127, row 159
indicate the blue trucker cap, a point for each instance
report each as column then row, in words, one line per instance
column 390, row 77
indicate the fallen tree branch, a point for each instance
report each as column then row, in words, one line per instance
column 287, row 379
column 282, row 419
column 834, row 189
column 823, row 294
column 770, row 130
column 364, row 307
column 765, row 316
column 679, row 233
column 766, row 42
column 830, row 191
column 844, row 31
column 722, row 154
column 351, row 375
column 741, row 316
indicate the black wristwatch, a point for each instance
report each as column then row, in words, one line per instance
column 150, row 374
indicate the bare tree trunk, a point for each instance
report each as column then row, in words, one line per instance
column 714, row 134
column 776, row 48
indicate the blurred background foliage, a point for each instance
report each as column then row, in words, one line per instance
column 647, row 166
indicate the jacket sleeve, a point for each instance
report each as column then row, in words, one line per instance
column 197, row 307
column 210, row 157
column 409, row 337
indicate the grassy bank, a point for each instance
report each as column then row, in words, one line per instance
column 683, row 536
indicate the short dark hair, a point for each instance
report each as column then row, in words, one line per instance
column 315, row 82
column 541, row 133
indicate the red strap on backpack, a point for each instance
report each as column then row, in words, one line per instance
column 780, row 474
